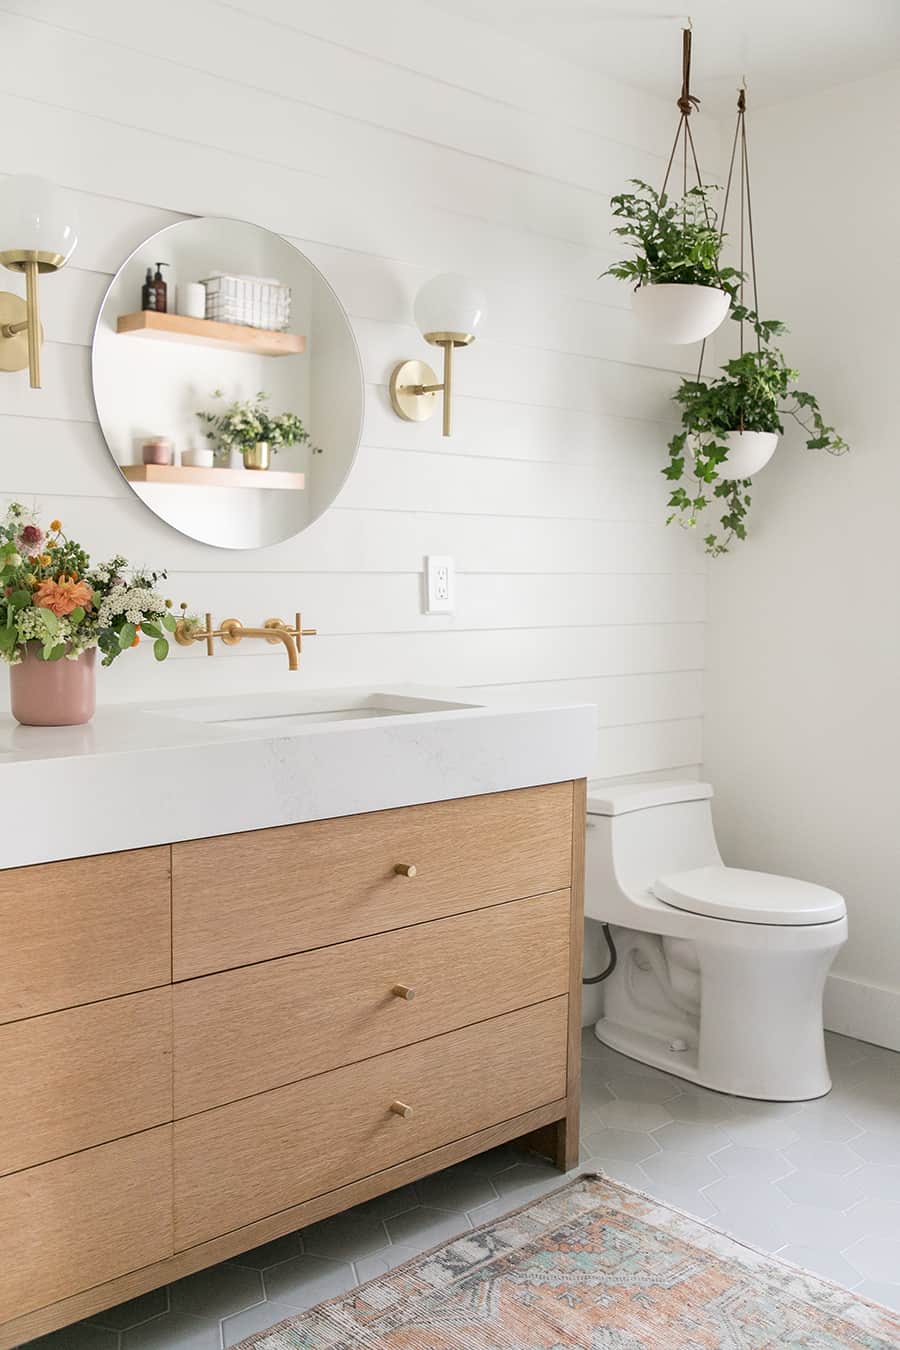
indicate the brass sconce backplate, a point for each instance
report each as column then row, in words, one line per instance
column 14, row 348
column 406, row 380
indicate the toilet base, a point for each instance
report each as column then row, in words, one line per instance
column 741, row 1019
column 646, row 1048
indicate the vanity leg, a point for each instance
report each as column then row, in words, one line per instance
column 560, row 1141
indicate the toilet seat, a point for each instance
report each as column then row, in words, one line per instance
column 749, row 897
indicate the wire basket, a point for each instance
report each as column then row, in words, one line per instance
column 251, row 302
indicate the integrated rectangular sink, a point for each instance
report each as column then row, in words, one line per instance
column 277, row 713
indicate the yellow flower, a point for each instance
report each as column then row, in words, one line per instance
column 32, row 580
column 44, row 559
column 56, row 526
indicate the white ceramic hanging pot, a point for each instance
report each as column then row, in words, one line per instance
column 748, row 452
column 671, row 312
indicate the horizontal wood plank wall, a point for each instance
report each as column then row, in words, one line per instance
column 414, row 143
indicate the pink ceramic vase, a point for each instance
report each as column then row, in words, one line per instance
column 53, row 693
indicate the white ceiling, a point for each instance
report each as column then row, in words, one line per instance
column 784, row 47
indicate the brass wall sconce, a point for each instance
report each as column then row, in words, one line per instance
column 232, row 631
column 448, row 310
column 37, row 234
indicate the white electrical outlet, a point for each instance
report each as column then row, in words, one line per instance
column 440, row 585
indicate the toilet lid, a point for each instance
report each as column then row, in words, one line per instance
column 749, row 897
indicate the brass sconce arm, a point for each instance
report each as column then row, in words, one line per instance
column 21, row 333
column 414, row 384
column 232, row 631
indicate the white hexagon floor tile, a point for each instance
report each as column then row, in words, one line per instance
column 817, row 1183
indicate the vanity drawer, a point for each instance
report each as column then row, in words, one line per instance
column 282, row 1147
column 84, row 1219
column 251, row 897
column 79, row 931
column 247, row 1030
column 73, row 1079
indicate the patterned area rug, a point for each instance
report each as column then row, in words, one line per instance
column 593, row 1266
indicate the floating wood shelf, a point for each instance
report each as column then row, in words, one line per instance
column 187, row 476
column 146, row 323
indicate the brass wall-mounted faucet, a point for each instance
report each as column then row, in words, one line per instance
column 232, row 631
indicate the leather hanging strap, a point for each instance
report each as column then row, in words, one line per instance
column 687, row 102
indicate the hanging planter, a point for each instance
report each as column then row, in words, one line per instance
column 681, row 292
column 731, row 424
column 678, row 313
column 748, row 452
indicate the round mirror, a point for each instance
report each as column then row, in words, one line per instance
column 228, row 382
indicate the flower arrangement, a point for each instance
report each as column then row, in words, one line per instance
column 245, row 424
column 51, row 595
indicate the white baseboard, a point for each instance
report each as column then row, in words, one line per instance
column 864, row 1011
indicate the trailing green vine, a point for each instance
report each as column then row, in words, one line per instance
column 755, row 392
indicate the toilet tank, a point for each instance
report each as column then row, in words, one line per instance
column 639, row 832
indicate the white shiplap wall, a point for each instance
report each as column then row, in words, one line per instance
column 389, row 142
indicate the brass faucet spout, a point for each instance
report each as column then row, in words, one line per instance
column 232, row 631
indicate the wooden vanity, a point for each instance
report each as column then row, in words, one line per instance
column 207, row 1044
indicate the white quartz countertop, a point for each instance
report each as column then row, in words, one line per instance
column 157, row 773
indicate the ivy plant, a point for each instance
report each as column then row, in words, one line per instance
column 675, row 239
column 754, row 392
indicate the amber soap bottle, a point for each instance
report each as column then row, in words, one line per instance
column 159, row 289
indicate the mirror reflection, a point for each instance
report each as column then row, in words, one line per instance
column 227, row 382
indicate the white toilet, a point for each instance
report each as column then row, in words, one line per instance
column 720, row 971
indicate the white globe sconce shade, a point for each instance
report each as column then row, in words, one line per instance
column 38, row 233
column 449, row 310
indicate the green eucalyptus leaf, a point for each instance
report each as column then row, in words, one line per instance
column 160, row 649
column 127, row 634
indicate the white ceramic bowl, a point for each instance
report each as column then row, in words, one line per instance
column 679, row 314
column 748, row 452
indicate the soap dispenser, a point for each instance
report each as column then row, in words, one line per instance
column 159, row 288
column 148, row 294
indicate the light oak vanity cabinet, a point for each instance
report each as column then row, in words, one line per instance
column 207, row 1044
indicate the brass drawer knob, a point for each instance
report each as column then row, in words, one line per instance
column 403, row 991
column 405, row 870
column 401, row 1109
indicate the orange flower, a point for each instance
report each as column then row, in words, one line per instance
column 137, row 635
column 62, row 596
column 56, row 526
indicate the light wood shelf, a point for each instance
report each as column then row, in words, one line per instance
column 186, row 476
column 146, row 323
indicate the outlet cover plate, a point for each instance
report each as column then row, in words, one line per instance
column 440, row 584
